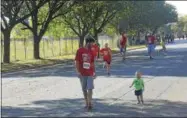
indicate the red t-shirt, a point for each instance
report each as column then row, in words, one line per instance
column 106, row 54
column 85, row 58
column 123, row 41
column 151, row 39
column 95, row 49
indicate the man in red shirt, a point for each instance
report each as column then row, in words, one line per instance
column 123, row 45
column 86, row 71
column 107, row 57
column 151, row 42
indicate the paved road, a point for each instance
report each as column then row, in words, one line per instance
column 55, row 91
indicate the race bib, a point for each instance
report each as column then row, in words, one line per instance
column 149, row 41
column 105, row 53
column 86, row 65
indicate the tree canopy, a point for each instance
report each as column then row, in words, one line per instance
column 59, row 18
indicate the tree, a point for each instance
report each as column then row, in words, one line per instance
column 12, row 13
column 42, row 17
column 181, row 26
column 103, row 13
column 79, row 19
column 148, row 16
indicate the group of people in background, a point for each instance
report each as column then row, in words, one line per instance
column 182, row 36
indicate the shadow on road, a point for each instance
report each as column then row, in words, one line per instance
column 74, row 107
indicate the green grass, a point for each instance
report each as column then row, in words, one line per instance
column 47, row 49
column 28, row 64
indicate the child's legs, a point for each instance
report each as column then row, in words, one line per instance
column 138, row 98
column 137, row 93
column 141, row 98
column 108, row 67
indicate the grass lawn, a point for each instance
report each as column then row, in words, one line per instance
column 28, row 64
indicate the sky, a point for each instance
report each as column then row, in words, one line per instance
column 181, row 6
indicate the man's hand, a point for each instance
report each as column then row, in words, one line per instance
column 79, row 75
column 94, row 76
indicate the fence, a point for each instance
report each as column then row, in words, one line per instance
column 22, row 49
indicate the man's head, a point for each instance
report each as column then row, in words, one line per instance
column 123, row 34
column 106, row 45
column 89, row 40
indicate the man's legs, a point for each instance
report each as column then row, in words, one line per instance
column 124, row 52
column 121, row 51
column 90, row 87
column 150, row 51
column 90, row 98
column 83, row 81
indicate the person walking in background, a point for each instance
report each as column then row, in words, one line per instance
column 162, row 43
column 151, row 44
column 107, row 57
column 123, row 45
column 84, row 63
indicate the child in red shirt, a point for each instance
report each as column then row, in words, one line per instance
column 107, row 57
column 95, row 50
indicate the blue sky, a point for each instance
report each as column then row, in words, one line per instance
column 180, row 5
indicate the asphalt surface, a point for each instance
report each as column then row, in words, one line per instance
column 55, row 91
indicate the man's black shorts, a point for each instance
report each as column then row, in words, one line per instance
column 138, row 92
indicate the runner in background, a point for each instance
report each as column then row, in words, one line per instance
column 162, row 43
column 107, row 57
column 151, row 44
column 123, row 45
column 84, row 61
column 95, row 49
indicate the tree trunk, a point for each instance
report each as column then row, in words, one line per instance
column 96, row 36
column 97, row 41
column 6, row 58
column 138, row 37
column 36, row 47
column 81, row 41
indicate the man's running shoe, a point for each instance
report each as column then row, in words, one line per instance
column 151, row 57
column 89, row 108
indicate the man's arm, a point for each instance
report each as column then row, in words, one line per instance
column 77, row 62
column 77, row 66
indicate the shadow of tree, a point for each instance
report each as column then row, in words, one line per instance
column 74, row 107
